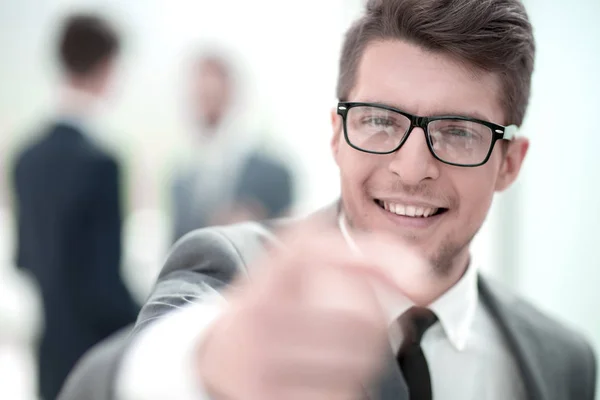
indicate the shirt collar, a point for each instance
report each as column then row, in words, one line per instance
column 455, row 309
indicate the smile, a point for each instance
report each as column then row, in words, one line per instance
column 412, row 211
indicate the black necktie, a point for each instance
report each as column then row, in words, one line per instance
column 411, row 359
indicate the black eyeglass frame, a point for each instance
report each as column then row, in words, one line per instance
column 499, row 132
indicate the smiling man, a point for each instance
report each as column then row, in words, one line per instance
column 425, row 166
column 376, row 297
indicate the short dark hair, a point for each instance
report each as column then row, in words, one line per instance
column 489, row 35
column 86, row 42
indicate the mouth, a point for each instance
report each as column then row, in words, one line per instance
column 410, row 211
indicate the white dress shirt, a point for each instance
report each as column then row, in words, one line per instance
column 467, row 355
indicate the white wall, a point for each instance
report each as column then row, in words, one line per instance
column 558, row 262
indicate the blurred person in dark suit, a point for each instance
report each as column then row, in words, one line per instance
column 227, row 178
column 68, row 209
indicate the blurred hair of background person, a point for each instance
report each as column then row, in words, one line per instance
column 67, row 194
column 226, row 178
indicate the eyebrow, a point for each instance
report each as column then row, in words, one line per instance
column 470, row 114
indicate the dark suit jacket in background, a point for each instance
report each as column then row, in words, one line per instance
column 69, row 239
column 554, row 362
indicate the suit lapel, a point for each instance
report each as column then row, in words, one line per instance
column 522, row 342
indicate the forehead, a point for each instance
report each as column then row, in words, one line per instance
column 425, row 83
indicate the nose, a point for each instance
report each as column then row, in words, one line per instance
column 413, row 162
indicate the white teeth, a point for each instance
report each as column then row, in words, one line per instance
column 429, row 212
column 410, row 211
column 400, row 209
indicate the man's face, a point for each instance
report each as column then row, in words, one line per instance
column 411, row 180
column 210, row 91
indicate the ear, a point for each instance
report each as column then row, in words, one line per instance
column 512, row 161
column 336, row 125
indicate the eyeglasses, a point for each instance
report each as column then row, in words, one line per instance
column 461, row 141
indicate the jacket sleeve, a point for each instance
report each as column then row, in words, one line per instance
column 201, row 263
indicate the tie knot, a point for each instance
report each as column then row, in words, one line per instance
column 415, row 322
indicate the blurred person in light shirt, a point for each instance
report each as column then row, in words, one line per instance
column 226, row 177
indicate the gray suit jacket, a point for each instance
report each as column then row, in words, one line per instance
column 555, row 363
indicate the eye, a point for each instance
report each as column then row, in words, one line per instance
column 458, row 132
column 378, row 121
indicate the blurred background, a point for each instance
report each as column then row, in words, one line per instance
column 541, row 237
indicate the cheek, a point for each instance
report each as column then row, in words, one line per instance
column 353, row 173
column 476, row 191
column 356, row 169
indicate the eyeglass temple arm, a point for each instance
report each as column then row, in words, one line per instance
column 510, row 132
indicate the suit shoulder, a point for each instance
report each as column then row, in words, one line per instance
column 27, row 156
column 101, row 156
column 221, row 252
column 555, row 337
column 107, row 163
column 564, row 345
column 557, row 330
column 28, row 150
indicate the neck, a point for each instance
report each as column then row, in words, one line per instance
column 449, row 277
column 84, row 84
column 77, row 100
